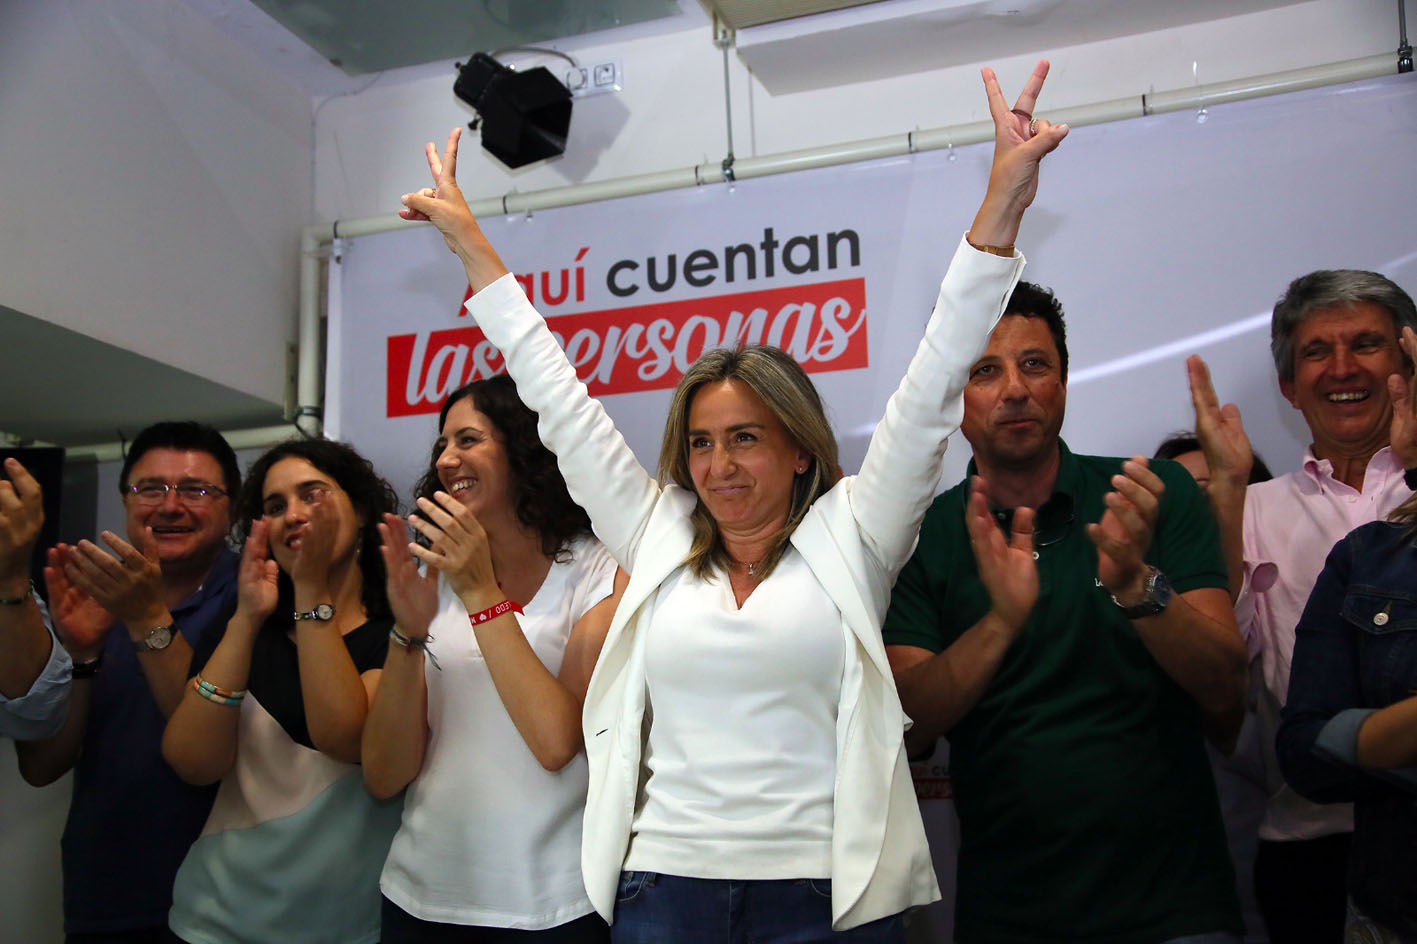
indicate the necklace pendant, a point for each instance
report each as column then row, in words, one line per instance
column 753, row 569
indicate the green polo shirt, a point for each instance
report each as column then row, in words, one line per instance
column 1086, row 804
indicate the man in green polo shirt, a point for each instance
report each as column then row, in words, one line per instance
column 1065, row 622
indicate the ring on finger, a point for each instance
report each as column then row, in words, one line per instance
column 1032, row 126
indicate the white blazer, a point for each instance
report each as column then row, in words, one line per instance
column 854, row 539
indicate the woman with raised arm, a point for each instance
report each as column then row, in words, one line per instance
column 479, row 708
column 276, row 708
column 747, row 769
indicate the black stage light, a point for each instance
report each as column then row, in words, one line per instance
column 524, row 116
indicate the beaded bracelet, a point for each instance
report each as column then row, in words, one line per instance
column 421, row 643
column 232, row 699
column 16, row 601
column 492, row 612
column 217, row 690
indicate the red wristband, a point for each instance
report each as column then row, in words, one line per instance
column 492, row 612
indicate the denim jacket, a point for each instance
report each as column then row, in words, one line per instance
column 1356, row 652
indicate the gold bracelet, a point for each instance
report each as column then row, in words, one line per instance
column 1006, row 251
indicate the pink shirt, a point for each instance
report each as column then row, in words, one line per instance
column 1291, row 523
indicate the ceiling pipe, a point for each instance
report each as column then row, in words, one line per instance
column 256, row 438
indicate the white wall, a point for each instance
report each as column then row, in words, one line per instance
column 671, row 112
column 161, row 175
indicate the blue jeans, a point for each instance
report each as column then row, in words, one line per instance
column 653, row 908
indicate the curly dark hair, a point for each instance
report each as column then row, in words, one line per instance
column 370, row 495
column 542, row 502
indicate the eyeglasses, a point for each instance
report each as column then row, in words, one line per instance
column 191, row 493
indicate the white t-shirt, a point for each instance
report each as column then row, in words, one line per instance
column 490, row 837
column 741, row 755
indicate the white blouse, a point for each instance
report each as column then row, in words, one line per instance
column 490, row 837
column 741, row 755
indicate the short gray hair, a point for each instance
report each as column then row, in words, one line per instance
column 1332, row 288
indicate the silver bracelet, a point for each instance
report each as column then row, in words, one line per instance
column 408, row 641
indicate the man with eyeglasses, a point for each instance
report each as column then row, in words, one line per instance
column 1064, row 620
column 130, row 617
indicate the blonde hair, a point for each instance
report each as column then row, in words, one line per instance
column 1406, row 513
column 784, row 387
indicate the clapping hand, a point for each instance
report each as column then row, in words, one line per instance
column 1404, row 406
column 258, row 588
column 126, row 583
column 1124, row 533
column 1006, row 568
column 81, row 621
column 460, row 551
column 310, row 564
column 1218, row 429
column 413, row 597
column 21, row 517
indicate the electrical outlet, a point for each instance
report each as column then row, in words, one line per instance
column 596, row 79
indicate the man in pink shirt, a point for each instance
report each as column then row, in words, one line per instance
column 1335, row 338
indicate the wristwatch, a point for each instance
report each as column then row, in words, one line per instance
column 1158, row 595
column 88, row 669
column 324, row 613
column 159, row 637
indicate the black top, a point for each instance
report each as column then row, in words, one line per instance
column 275, row 667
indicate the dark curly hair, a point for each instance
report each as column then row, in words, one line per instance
column 539, row 492
column 370, row 495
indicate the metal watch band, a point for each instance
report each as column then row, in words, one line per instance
column 1158, row 597
column 324, row 612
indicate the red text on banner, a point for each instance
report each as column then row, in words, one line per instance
column 647, row 347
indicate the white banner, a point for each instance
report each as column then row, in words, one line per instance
column 1162, row 236
column 830, row 265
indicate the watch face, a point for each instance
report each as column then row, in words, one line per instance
column 1160, row 590
column 324, row 611
column 159, row 638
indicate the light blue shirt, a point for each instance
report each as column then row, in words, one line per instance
column 41, row 711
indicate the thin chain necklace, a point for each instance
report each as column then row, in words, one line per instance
column 752, row 566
